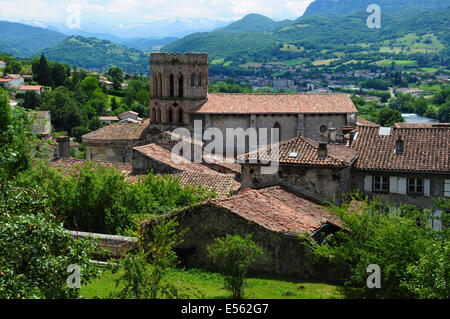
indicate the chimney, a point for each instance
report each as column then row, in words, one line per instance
column 63, row 146
column 333, row 134
column 323, row 150
column 399, row 145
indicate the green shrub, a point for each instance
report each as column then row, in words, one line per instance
column 234, row 255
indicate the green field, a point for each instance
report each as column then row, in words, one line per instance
column 388, row 62
column 198, row 283
column 295, row 62
column 218, row 61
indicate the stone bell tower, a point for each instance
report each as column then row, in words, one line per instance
column 178, row 82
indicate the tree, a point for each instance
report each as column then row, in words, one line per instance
column 36, row 249
column 5, row 111
column 420, row 105
column 117, row 77
column 41, row 71
column 388, row 117
column 400, row 241
column 144, row 270
column 444, row 113
column 234, row 254
column 31, row 100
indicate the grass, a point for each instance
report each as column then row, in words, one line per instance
column 204, row 284
column 217, row 61
column 388, row 62
column 291, row 48
column 295, row 62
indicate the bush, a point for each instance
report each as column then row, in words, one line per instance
column 234, row 255
column 93, row 198
column 398, row 241
column 36, row 250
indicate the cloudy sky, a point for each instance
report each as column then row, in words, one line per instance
column 129, row 11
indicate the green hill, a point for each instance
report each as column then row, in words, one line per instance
column 95, row 54
column 327, row 38
column 254, row 23
column 342, row 7
column 23, row 41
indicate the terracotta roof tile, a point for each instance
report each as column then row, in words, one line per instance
column 304, row 151
column 421, row 125
column 277, row 209
column 117, row 132
column 221, row 184
column 364, row 122
column 165, row 156
column 425, row 149
column 227, row 103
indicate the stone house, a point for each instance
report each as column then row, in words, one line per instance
column 407, row 164
column 42, row 123
column 318, row 170
column 31, row 88
column 2, row 65
column 273, row 216
column 114, row 142
column 16, row 81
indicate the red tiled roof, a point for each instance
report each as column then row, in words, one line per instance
column 2, row 62
column 420, row 125
column 277, row 209
column 364, row 122
column 15, row 76
column 226, row 103
column 165, row 156
column 3, row 80
column 30, row 88
column 425, row 149
column 108, row 118
column 221, row 184
column 304, row 151
column 117, row 132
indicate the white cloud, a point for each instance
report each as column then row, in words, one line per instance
column 124, row 11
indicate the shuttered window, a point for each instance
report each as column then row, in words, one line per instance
column 447, row 188
column 380, row 184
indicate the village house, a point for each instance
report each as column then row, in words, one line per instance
column 113, row 143
column 275, row 217
column 415, row 92
column 126, row 117
column 13, row 81
column 42, row 123
column 405, row 164
column 2, row 65
column 31, row 88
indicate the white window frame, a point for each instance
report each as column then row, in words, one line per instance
column 415, row 185
column 384, row 180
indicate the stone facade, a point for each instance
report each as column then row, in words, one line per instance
column 179, row 82
column 322, row 184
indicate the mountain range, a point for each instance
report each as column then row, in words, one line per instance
column 327, row 25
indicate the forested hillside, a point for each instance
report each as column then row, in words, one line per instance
column 92, row 53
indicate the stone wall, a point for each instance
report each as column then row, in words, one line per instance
column 116, row 245
column 283, row 253
column 322, row 184
column 110, row 152
column 142, row 163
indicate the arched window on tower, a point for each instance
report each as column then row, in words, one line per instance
column 153, row 119
column 199, row 80
column 171, row 86
column 158, row 115
column 159, row 85
column 154, row 82
column 170, row 116
column 180, row 116
column 192, row 80
column 180, row 85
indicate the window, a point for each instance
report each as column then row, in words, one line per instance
column 323, row 129
column 380, row 184
column 415, row 185
column 199, row 80
column 180, row 85
column 192, row 80
column 171, row 86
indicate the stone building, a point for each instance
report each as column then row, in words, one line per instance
column 180, row 96
column 42, row 122
column 405, row 164
column 113, row 143
column 318, row 170
column 273, row 216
